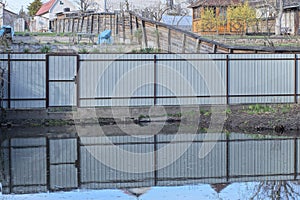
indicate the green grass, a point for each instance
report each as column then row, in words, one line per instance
column 260, row 109
column 43, row 34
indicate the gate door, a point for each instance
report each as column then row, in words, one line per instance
column 62, row 73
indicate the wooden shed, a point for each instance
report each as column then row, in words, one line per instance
column 220, row 9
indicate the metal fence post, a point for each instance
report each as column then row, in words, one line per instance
column 78, row 163
column 227, row 158
column 295, row 158
column 77, row 81
column 8, row 81
column 48, row 176
column 155, row 80
column 227, row 79
column 47, row 81
column 295, row 79
column 10, row 166
column 155, row 160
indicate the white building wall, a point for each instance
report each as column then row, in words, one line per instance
column 41, row 23
column 1, row 14
column 58, row 7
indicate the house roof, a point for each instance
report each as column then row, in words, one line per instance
column 177, row 20
column 291, row 4
column 45, row 7
column 214, row 3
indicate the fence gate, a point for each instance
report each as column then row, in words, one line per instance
column 61, row 80
column 63, row 161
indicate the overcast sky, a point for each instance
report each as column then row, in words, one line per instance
column 16, row 5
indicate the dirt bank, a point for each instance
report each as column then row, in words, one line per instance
column 278, row 118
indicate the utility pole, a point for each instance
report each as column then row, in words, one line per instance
column 105, row 8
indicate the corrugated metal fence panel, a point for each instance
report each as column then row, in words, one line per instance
column 260, row 159
column 5, row 166
column 63, row 153
column 28, row 168
column 121, row 76
column 63, row 176
column 97, row 173
column 200, row 76
column 189, row 168
column 62, row 67
column 24, row 142
column 63, row 70
column 62, row 94
column 264, row 75
column 28, row 80
column 3, row 80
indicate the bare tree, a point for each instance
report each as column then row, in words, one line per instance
column 155, row 12
column 276, row 190
column 85, row 5
column 277, row 7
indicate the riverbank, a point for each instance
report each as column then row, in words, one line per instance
column 276, row 118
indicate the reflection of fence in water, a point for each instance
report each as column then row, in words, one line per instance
column 49, row 164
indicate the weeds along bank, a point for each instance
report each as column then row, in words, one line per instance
column 282, row 119
column 56, row 43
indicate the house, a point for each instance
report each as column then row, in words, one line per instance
column 290, row 18
column 267, row 16
column 7, row 17
column 220, row 9
column 48, row 12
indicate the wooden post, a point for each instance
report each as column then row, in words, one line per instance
column 87, row 24
column 130, row 25
column 73, row 24
column 92, row 24
column 99, row 23
column 157, row 37
column 123, row 26
column 144, row 34
column 110, row 22
column 117, row 24
column 198, row 46
column 136, row 23
column 214, row 48
column 169, row 40
column 104, row 24
column 82, row 22
column 183, row 43
column 64, row 25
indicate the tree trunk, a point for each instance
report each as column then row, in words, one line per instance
column 278, row 18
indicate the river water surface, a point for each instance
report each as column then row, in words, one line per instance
column 67, row 165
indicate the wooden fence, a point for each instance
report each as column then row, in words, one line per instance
column 128, row 27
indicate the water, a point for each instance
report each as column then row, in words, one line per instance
column 161, row 166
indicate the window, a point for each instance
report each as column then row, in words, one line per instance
column 197, row 13
column 223, row 13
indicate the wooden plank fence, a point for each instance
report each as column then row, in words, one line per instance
column 128, row 27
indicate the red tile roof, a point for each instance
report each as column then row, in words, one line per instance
column 45, row 7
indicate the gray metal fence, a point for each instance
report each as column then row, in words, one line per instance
column 87, row 80
column 50, row 164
